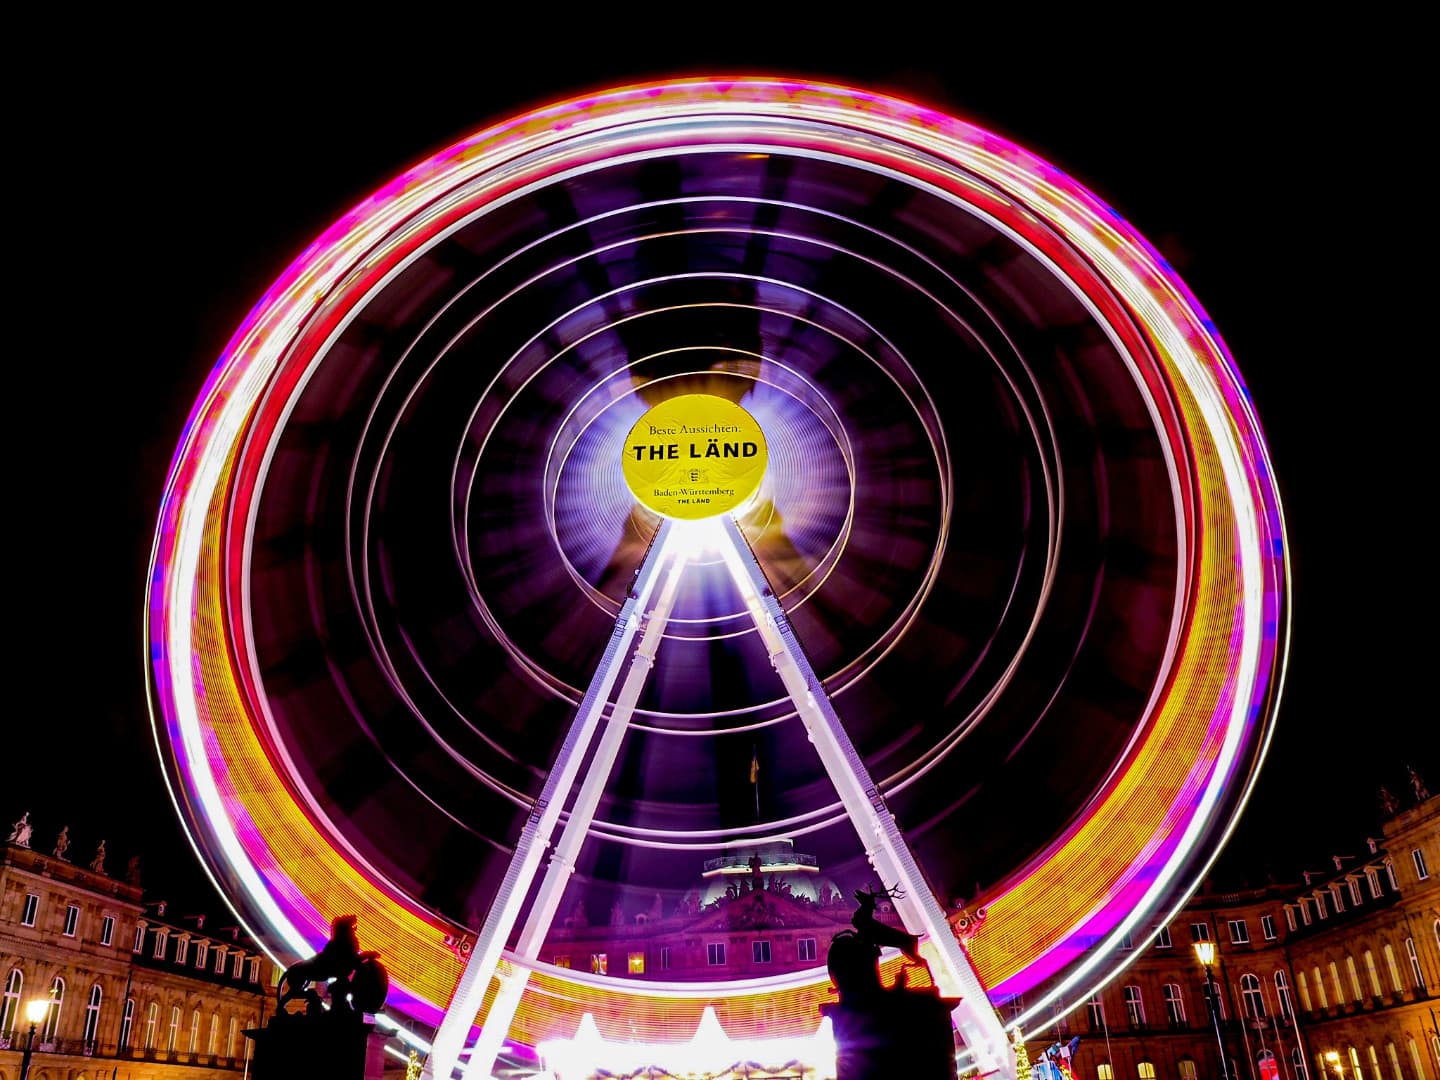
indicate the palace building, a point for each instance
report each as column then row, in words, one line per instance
column 121, row 989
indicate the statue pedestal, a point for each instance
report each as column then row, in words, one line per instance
column 300, row 1047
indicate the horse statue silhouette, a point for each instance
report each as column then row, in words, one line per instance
column 358, row 982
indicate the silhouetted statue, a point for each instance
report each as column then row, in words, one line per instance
column 62, row 843
column 1389, row 804
column 360, row 980
column 1417, row 785
column 882, row 1032
column 21, row 830
column 98, row 863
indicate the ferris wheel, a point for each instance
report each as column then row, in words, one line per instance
column 698, row 464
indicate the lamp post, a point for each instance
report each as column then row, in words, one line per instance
column 1205, row 951
column 1332, row 1059
column 34, row 1012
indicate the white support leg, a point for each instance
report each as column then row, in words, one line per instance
column 880, row 834
column 535, row 835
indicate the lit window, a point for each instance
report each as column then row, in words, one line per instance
column 1414, row 963
column 599, row 963
column 1267, row 927
column 561, row 961
column 92, row 1015
column 1297, row 1061
column 172, row 1040
column 1374, row 1060
column 635, row 962
column 1199, row 931
column 32, row 908
column 1394, row 1056
column 52, row 1018
column 1421, row 870
column 182, row 946
column 127, row 1020
column 806, row 946
column 1304, row 986
column 1162, row 939
column 1174, row 1004
column 1390, row 876
column 72, row 919
column 1335, row 984
column 1355, row 991
column 10, row 1002
column 237, row 969
column 214, row 1043
column 1392, row 967
column 230, row 1040
column 1282, row 995
column 1374, row 973
column 107, row 930
column 202, row 950
column 152, row 1021
column 219, row 960
column 1134, row 1006
column 255, row 969
column 760, row 952
column 1320, row 990
column 161, row 940
column 1145, row 1071
column 1239, row 932
column 1187, row 1070
column 1354, row 884
column 1252, row 996
column 194, row 1046
column 1415, row 1063
column 1104, row 1072
column 140, row 938
column 715, row 954
column 664, row 957
column 1373, row 880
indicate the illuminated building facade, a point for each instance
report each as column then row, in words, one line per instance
column 1334, row 978
column 133, row 994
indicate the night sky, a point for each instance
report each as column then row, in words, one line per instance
column 154, row 194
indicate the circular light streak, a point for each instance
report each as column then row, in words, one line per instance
column 1147, row 833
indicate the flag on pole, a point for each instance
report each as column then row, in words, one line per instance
column 754, row 767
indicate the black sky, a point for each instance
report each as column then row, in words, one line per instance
column 157, row 189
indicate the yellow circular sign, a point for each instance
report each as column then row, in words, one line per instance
column 695, row 456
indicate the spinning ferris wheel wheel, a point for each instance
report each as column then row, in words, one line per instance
column 687, row 430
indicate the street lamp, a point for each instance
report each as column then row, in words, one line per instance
column 1332, row 1058
column 1205, row 951
column 34, row 1012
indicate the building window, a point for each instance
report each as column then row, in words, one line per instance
column 161, row 940
column 1126, row 942
column 10, row 1003
column 1282, row 995
column 140, row 938
column 760, row 952
column 1239, row 932
column 1305, row 911
column 1374, row 1061
column 202, row 951
column 219, row 960
column 230, row 1040
column 1390, row 876
column 254, row 969
column 1252, row 996
column 1134, row 1006
column 806, row 947
column 561, row 961
column 1373, row 880
column 1304, row 987
column 1374, row 973
column 1416, row 1065
column 1267, row 927
column 1162, row 939
column 32, row 908
column 1297, row 1061
column 1335, row 984
column 127, row 1018
column 715, row 954
column 152, row 1021
column 1394, row 1056
column 52, row 1017
column 1096, row 1011
column 635, row 963
column 599, row 963
column 1290, row 917
column 1199, row 931
column 664, row 957
column 1414, row 963
column 1103, row 1071
column 1320, row 908
column 1145, row 1071
column 1392, row 967
column 92, row 1014
column 1355, row 991
column 1187, row 1070
column 1355, row 1062
column 195, row 1031
column 107, row 930
column 237, row 969
column 1320, row 990
column 214, row 1043
column 1421, row 870
column 1174, row 1004
column 182, row 946
column 1354, row 884
column 72, row 919
column 1335, row 900
column 172, row 1041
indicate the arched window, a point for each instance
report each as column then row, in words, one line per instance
column 1394, row 1056
column 1282, row 995
column 1417, row 1066
column 1374, row 973
column 1335, row 983
column 1392, row 967
column 52, row 1017
column 152, row 1021
column 1266, row 1061
column 10, row 1003
column 1355, row 1069
column 1188, row 1070
column 1356, row 992
column 1253, row 996
column 1297, row 1062
column 195, row 1031
column 1134, row 1006
column 1374, row 1062
column 92, row 1014
column 248, row 1044
column 127, row 1019
column 214, row 1044
column 1103, row 1071
column 230, row 1041
column 1174, row 1004
column 1304, row 985
column 172, row 1041
column 1095, row 1010
column 1145, row 1071
column 1414, row 963
column 1320, row 990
